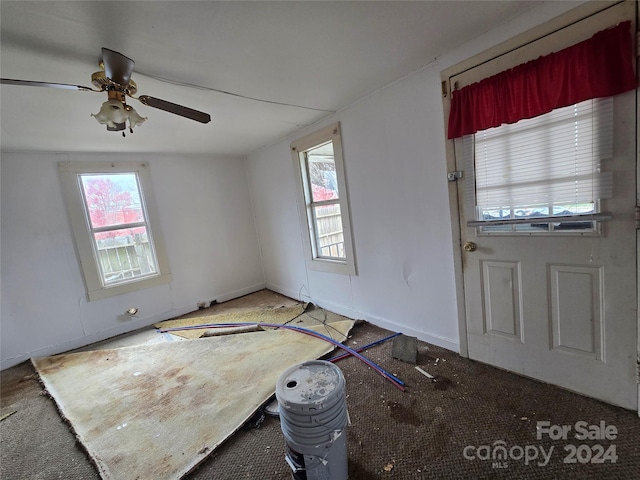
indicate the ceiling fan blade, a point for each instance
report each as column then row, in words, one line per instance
column 175, row 108
column 31, row 83
column 117, row 67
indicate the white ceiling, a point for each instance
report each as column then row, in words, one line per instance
column 323, row 55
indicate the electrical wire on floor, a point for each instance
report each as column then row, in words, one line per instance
column 327, row 325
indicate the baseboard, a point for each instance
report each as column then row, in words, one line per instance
column 440, row 341
column 433, row 339
column 240, row 292
column 287, row 292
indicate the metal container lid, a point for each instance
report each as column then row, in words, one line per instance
column 316, row 383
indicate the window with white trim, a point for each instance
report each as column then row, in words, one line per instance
column 111, row 211
column 322, row 196
column 544, row 174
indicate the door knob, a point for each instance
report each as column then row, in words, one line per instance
column 469, row 247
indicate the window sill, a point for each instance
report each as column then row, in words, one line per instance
column 331, row 266
column 133, row 286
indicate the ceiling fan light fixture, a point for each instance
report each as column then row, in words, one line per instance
column 134, row 118
column 114, row 114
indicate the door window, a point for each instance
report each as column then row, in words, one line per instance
column 542, row 175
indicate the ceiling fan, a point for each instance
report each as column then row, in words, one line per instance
column 115, row 79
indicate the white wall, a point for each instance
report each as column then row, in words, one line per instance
column 394, row 153
column 207, row 223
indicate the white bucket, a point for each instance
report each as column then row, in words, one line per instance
column 313, row 417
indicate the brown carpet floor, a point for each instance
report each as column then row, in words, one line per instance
column 419, row 434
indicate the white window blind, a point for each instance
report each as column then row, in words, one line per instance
column 547, row 161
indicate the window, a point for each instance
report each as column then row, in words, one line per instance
column 323, row 199
column 111, row 216
column 542, row 174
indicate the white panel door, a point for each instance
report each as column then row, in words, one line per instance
column 561, row 308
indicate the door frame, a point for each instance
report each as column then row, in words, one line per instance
column 551, row 26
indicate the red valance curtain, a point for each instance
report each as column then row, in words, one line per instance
column 601, row 66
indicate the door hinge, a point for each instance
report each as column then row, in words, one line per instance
column 445, row 91
column 637, row 217
column 453, row 176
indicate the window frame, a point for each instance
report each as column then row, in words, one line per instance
column 299, row 148
column 70, row 173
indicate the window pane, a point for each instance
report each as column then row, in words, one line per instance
column 322, row 173
column 591, row 226
column 539, row 167
column 112, row 199
column 580, row 208
column 494, row 214
column 124, row 254
column 531, row 227
column 330, row 240
column 531, row 211
column 496, row 228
